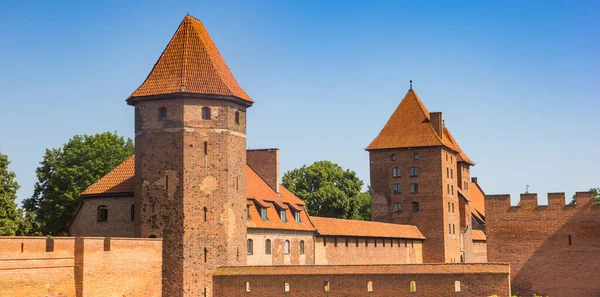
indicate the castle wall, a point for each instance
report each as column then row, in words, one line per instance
column 479, row 251
column 79, row 267
column 119, row 222
column 553, row 250
column 346, row 281
column 277, row 256
column 356, row 251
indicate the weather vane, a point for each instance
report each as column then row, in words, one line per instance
column 411, row 84
column 526, row 189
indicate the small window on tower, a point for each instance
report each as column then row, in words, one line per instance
column 415, row 206
column 237, row 117
column 162, row 113
column 416, row 156
column 414, row 188
column 397, row 206
column 102, row 214
column 206, row 113
column 397, row 189
column 396, row 172
column 132, row 213
column 393, row 157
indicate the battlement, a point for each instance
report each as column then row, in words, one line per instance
column 498, row 206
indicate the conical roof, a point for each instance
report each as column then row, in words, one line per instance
column 191, row 64
column 409, row 126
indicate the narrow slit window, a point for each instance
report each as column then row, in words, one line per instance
column 250, row 246
column 237, row 117
column 205, row 211
column 162, row 113
column 205, row 255
column 301, row 247
column 205, row 148
column 132, row 213
column 570, row 242
column 267, row 247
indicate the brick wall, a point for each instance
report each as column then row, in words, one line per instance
column 79, row 267
column 119, row 222
column 479, row 251
column 431, row 280
column 393, row 251
column 552, row 249
column 278, row 238
column 433, row 218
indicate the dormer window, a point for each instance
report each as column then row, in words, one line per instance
column 282, row 216
column 206, row 113
column 297, row 217
column 263, row 214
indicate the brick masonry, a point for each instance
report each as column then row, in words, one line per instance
column 79, row 267
column 553, row 249
column 119, row 223
column 334, row 251
column 431, row 280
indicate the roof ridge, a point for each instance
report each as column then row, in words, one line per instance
column 183, row 81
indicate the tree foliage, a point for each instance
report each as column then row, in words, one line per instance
column 329, row 191
column 9, row 214
column 66, row 171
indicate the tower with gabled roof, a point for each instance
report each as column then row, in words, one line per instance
column 419, row 175
column 190, row 135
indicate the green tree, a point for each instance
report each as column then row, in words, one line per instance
column 329, row 191
column 596, row 192
column 9, row 214
column 66, row 171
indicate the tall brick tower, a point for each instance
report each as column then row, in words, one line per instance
column 190, row 147
column 415, row 179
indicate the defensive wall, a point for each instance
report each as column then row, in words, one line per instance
column 80, row 267
column 552, row 249
column 419, row 280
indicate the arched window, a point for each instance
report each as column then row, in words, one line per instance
column 250, row 246
column 286, row 247
column 206, row 113
column 102, row 214
column 286, row 287
column 396, row 172
column 162, row 113
column 132, row 213
column 268, row 247
column 413, row 286
column 416, row 156
column 327, row 286
column 457, row 286
column 369, row 286
column 393, row 157
column 247, row 287
column 415, row 206
column 301, row 247
column 237, row 117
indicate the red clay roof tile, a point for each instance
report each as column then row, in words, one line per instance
column 191, row 63
column 341, row 227
column 118, row 180
column 478, row 235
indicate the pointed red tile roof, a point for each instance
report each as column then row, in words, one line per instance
column 462, row 157
column 409, row 126
column 118, row 180
column 192, row 64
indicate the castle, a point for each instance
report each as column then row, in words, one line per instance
column 194, row 213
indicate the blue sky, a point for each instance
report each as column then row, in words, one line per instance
column 517, row 82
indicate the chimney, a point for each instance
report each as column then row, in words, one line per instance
column 265, row 162
column 474, row 180
column 436, row 121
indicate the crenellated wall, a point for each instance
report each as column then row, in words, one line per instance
column 553, row 249
column 80, row 267
column 362, row 251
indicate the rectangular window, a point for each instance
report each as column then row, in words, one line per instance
column 282, row 216
column 297, row 217
column 414, row 171
column 452, row 207
column 263, row 214
column 397, row 206
column 452, row 189
column 396, row 172
column 414, row 188
column 247, row 212
column 397, row 189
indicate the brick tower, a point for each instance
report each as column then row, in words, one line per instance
column 415, row 179
column 190, row 147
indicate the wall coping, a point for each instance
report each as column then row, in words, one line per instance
column 422, row 269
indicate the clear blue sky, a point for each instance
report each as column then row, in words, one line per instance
column 517, row 82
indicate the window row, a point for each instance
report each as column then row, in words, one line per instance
column 449, row 173
column 286, row 247
column 369, row 285
column 450, row 189
column 451, row 160
column 414, row 188
column 206, row 114
column 414, row 206
column 451, row 208
column 102, row 213
column 374, row 241
column 282, row 214
column 451, row 229
column 415, row 156
column 414, row 171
